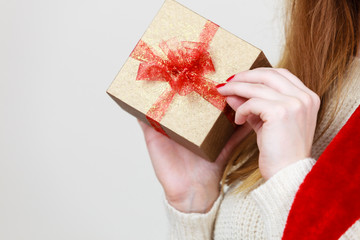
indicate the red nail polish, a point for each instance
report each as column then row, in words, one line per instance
column 230, row 78
column 220, row 85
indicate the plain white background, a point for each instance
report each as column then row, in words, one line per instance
column 73, row 165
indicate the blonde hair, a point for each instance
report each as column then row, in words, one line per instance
column 321, row 41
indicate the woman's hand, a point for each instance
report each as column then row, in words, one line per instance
column 281, row 110
column 191, row 183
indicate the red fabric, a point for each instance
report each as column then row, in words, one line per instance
column 328, row 201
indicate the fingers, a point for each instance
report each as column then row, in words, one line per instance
column 255, row 106
column 235, row 101
column 291, row 77
column 269, row 77
column 278, row 79
column 268, row 83
column 249, row 90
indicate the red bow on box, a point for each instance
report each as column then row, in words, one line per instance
column 184, row 67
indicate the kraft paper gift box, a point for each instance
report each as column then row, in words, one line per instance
column 169, row 79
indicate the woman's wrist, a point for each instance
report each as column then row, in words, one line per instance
column 277, row 168
column 199, row 201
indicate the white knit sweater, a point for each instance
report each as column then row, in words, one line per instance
column 262, row 213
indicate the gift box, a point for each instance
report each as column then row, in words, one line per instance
column 169, row 79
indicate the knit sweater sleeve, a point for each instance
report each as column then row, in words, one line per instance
column 191, row 226
column 275, row 197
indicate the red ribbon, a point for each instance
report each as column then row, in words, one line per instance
column 184, row 67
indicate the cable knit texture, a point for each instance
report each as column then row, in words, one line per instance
column 192, row 226
column 262, row 213
column 269, row 196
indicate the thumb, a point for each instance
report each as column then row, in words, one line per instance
column 240, row 133
column 151, row 134
column 143, row 125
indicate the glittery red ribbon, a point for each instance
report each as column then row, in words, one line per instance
column 184, row 68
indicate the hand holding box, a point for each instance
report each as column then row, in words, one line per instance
column 170, row 77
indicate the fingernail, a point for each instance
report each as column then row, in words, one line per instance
column 230, row 78
column 220, row 85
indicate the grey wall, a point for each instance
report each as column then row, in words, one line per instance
column 73, row 165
